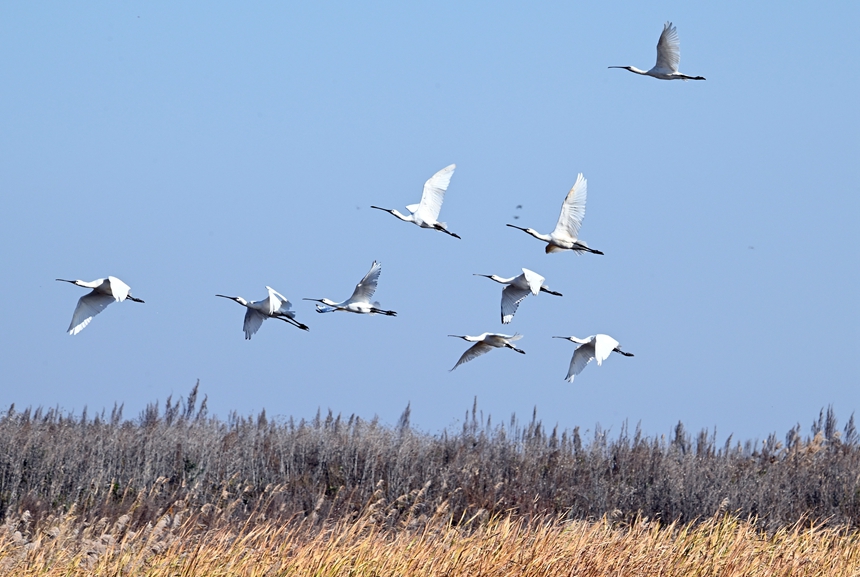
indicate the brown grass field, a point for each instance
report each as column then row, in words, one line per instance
column 504, row 545
column 177, row 492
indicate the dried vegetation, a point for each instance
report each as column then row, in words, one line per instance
column 176, row 492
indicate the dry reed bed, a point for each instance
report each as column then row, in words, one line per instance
column 107, row 467
column 503, row 546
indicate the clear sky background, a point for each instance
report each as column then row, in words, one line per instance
column 219, row 147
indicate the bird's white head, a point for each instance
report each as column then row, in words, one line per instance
column 239, row 300
column 393, row 212
column 530, row 231
column 494, row 277
column 81, row 283
column 632, row 69
column 470, row 338
column 574, row 340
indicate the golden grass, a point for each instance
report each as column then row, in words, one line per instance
column 502, row 546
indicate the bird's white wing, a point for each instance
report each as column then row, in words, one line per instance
column 434, row 194
column 253, row 320
column 668, row 50
column 119, row 289
column 534, row 280
column 513, row 337
column 364, row 290
column 276, row 300
column 512, row 296
column 475, row 350
column 89, row 306
column 603, row 345
column 581, row 357
column 572, row 210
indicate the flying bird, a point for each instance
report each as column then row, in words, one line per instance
column 105, row 291
column 518, row 289
column 564, row 237
column 668, row 58
column 274, row 306
column 359, row 302
column 426, row 212
column 484, row 343
column 594, row 347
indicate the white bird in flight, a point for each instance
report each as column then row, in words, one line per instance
column 359, row 302
column 518, row 289
column 564, row 237
column 668, row 58
column 105, row 291
column 426, row 212
column 594, row 347
column 484, row 343
column 274, row 306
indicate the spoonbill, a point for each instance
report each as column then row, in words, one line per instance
column 484, row 343
column 105, row 291
column 518, row 288
column 594, row 347
column 426, row 212
column 668, row 58
column 274, row 306
column 359, row 302
column 569, row 221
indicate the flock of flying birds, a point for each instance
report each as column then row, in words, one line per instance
column 425, row 214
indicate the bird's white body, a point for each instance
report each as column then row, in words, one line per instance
column 668, row 58
column 519, row 287
column 566, row 232
column 594, row 347
column 426, row 213
column 105, row 291
column 484, row 343
column 359, row 302
column 274, row 306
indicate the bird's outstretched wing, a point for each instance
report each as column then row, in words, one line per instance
column 278, row 303
column 534, row 280
column 364, row 290
column 89, row 306
column 572, row 210
column 475, row 350
column 119, row 289
column 253, row 320
column 434, row 194
column 513, row 337
column 668, row 50
column 581, row 357
column 512, row 296
column 603, row 345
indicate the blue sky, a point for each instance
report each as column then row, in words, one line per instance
column 217, row 148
